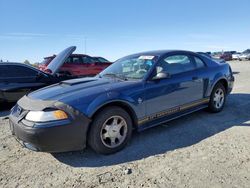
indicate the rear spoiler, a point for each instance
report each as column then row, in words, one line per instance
column 219, row 60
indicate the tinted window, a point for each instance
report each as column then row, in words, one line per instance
column 101, row 59
column 199, row 63
column 69, row 60
column 175, row 64
column 87, row 59
column 19, row 71
column 76, row 60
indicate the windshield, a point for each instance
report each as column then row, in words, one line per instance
column 131, row 67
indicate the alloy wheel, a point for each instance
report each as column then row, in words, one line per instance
column 219, row 98
column 114, row 131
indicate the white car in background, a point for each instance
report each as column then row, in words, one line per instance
column 236, row 56
column 244, row 56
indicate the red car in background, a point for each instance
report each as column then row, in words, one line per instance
column 227, row 56
column 77, row 65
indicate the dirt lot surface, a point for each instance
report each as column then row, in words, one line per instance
column 199, row 150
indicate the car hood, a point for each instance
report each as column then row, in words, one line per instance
column 76, row 88
column 57, row 62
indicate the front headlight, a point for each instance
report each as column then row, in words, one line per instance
column 44, row 116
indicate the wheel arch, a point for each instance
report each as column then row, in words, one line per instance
column 122, row 105
column 224, row 82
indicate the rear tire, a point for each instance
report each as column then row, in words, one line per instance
column 217, row 98
column 110, row 131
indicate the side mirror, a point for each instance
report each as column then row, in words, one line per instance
column 161, row 75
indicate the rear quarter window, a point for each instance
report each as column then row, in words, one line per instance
column 176, row 64
column 199, row 63
column 19, row 71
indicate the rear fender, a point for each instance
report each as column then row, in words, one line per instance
column 214, row 81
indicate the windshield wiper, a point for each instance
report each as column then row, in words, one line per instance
column 113, row 75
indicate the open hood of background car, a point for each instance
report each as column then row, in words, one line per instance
column 58, row 61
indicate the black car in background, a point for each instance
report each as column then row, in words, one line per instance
column 18, row 79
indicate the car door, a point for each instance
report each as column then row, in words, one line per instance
column 92, row 67
column 77, row 67
column 18, row 81
column 71, row 66
column 66, row 68
column 182, row 87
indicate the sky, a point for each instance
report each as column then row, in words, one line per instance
column 33, row 29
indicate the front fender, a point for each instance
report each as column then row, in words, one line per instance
column 108, row 98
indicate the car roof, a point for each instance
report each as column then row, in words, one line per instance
column 98, row 57
column 19, row 64
column 13, row 63
column 163, row 52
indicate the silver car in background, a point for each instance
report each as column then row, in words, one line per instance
column 236, row 56
column 245, row 55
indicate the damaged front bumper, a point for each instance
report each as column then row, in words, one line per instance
column 54, row 136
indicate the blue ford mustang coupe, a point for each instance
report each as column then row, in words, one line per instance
column 136, row 92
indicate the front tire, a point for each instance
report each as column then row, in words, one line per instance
column 110, row 131
column 217, row 98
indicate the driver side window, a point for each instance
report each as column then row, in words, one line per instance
column 175, row 64
column 87, row 60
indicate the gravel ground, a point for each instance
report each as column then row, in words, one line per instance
column 199, row 150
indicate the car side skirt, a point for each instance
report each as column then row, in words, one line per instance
column 172, row 113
